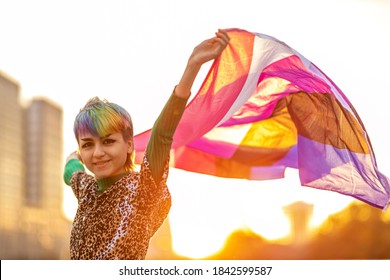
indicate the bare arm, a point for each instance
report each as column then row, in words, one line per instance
column 204, row 52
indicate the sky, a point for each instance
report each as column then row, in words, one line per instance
column 133, row 53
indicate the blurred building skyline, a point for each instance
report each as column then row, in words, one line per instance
column 32, row 225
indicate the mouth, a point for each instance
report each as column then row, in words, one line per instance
column 101, row 163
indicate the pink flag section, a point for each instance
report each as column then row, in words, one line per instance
column 264, row 107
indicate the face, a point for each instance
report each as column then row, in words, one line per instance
column 104, row 156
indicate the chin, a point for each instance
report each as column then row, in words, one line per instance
column 102, row 174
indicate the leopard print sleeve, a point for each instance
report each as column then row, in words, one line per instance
column 156, row 197
column 82, row 184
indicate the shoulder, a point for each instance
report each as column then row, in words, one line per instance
column 145, row 173
column 130, row 181
column 82, row 178
column 82, row 183
column 147, row 182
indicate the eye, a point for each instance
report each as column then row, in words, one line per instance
column 86, row 145
column 108, row 141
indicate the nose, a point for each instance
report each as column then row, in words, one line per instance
column 99, row 151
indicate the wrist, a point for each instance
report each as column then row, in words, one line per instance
column 194, row 63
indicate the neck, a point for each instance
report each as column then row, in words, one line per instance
column 105, row 183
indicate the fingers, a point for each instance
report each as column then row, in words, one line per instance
column 223, row 35
column 222, row 38
column 210, row 48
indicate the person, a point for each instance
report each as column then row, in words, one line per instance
column 119, row 208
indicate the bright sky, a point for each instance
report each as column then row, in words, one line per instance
column 133, row 53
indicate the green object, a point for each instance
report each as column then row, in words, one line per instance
column 72, row 166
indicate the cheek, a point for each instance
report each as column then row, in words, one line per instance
column 123, row 155
column 84, row 157
column 120, row 155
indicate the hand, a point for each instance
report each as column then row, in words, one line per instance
column 205, row 51
column 73, row 155
column 210, row 48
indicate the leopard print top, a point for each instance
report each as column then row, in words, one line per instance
column 119, row 223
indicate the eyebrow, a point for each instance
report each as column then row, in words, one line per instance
column 90, row 139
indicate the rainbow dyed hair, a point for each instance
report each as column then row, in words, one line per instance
column 100, row 118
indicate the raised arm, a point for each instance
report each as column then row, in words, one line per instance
column 164, row 128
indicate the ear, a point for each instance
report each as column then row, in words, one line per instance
column 130, row 146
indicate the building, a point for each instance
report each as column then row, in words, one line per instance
column 32, row 224
column 300, row 214
column 11, row 161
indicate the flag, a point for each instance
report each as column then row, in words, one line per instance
column 262, row 108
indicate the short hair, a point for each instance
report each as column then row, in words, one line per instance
column 101, row 118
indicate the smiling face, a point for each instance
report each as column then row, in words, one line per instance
column 104, row 132
column 104, row 156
